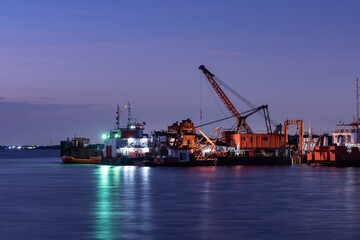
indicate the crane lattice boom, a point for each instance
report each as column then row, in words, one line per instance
column 210, row 77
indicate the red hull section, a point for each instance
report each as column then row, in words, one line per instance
column 91, row 160
column 334, row 155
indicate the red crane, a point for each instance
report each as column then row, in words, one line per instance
column 243, row 127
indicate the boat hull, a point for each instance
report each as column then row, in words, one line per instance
column 91, row 160
column 126, row 161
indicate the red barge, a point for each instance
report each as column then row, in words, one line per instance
column 90, row 160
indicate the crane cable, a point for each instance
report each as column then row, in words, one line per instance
column 217, row 103
column 205, row 124
column 243, row 99
column 201, row 103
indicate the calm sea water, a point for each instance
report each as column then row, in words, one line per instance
column 40, row 198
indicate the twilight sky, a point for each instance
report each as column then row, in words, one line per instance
column 64, row 65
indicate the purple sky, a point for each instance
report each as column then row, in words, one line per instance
column 65, row 65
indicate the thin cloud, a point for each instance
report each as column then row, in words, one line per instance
column 12, row 106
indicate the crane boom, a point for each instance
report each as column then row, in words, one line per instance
column 210, row 77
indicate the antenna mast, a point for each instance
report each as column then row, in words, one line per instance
column 356, row 117
column 118, row 112
column 129, row 114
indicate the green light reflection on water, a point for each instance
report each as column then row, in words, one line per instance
column 117, row 186
column 107, row 182
column 117, row 173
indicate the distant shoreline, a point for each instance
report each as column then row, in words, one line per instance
column 29, row 147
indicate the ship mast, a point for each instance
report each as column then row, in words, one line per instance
column 118, row 112
column 356, row 117
column 128, row 106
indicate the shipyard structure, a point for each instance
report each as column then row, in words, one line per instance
column 185, row 144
